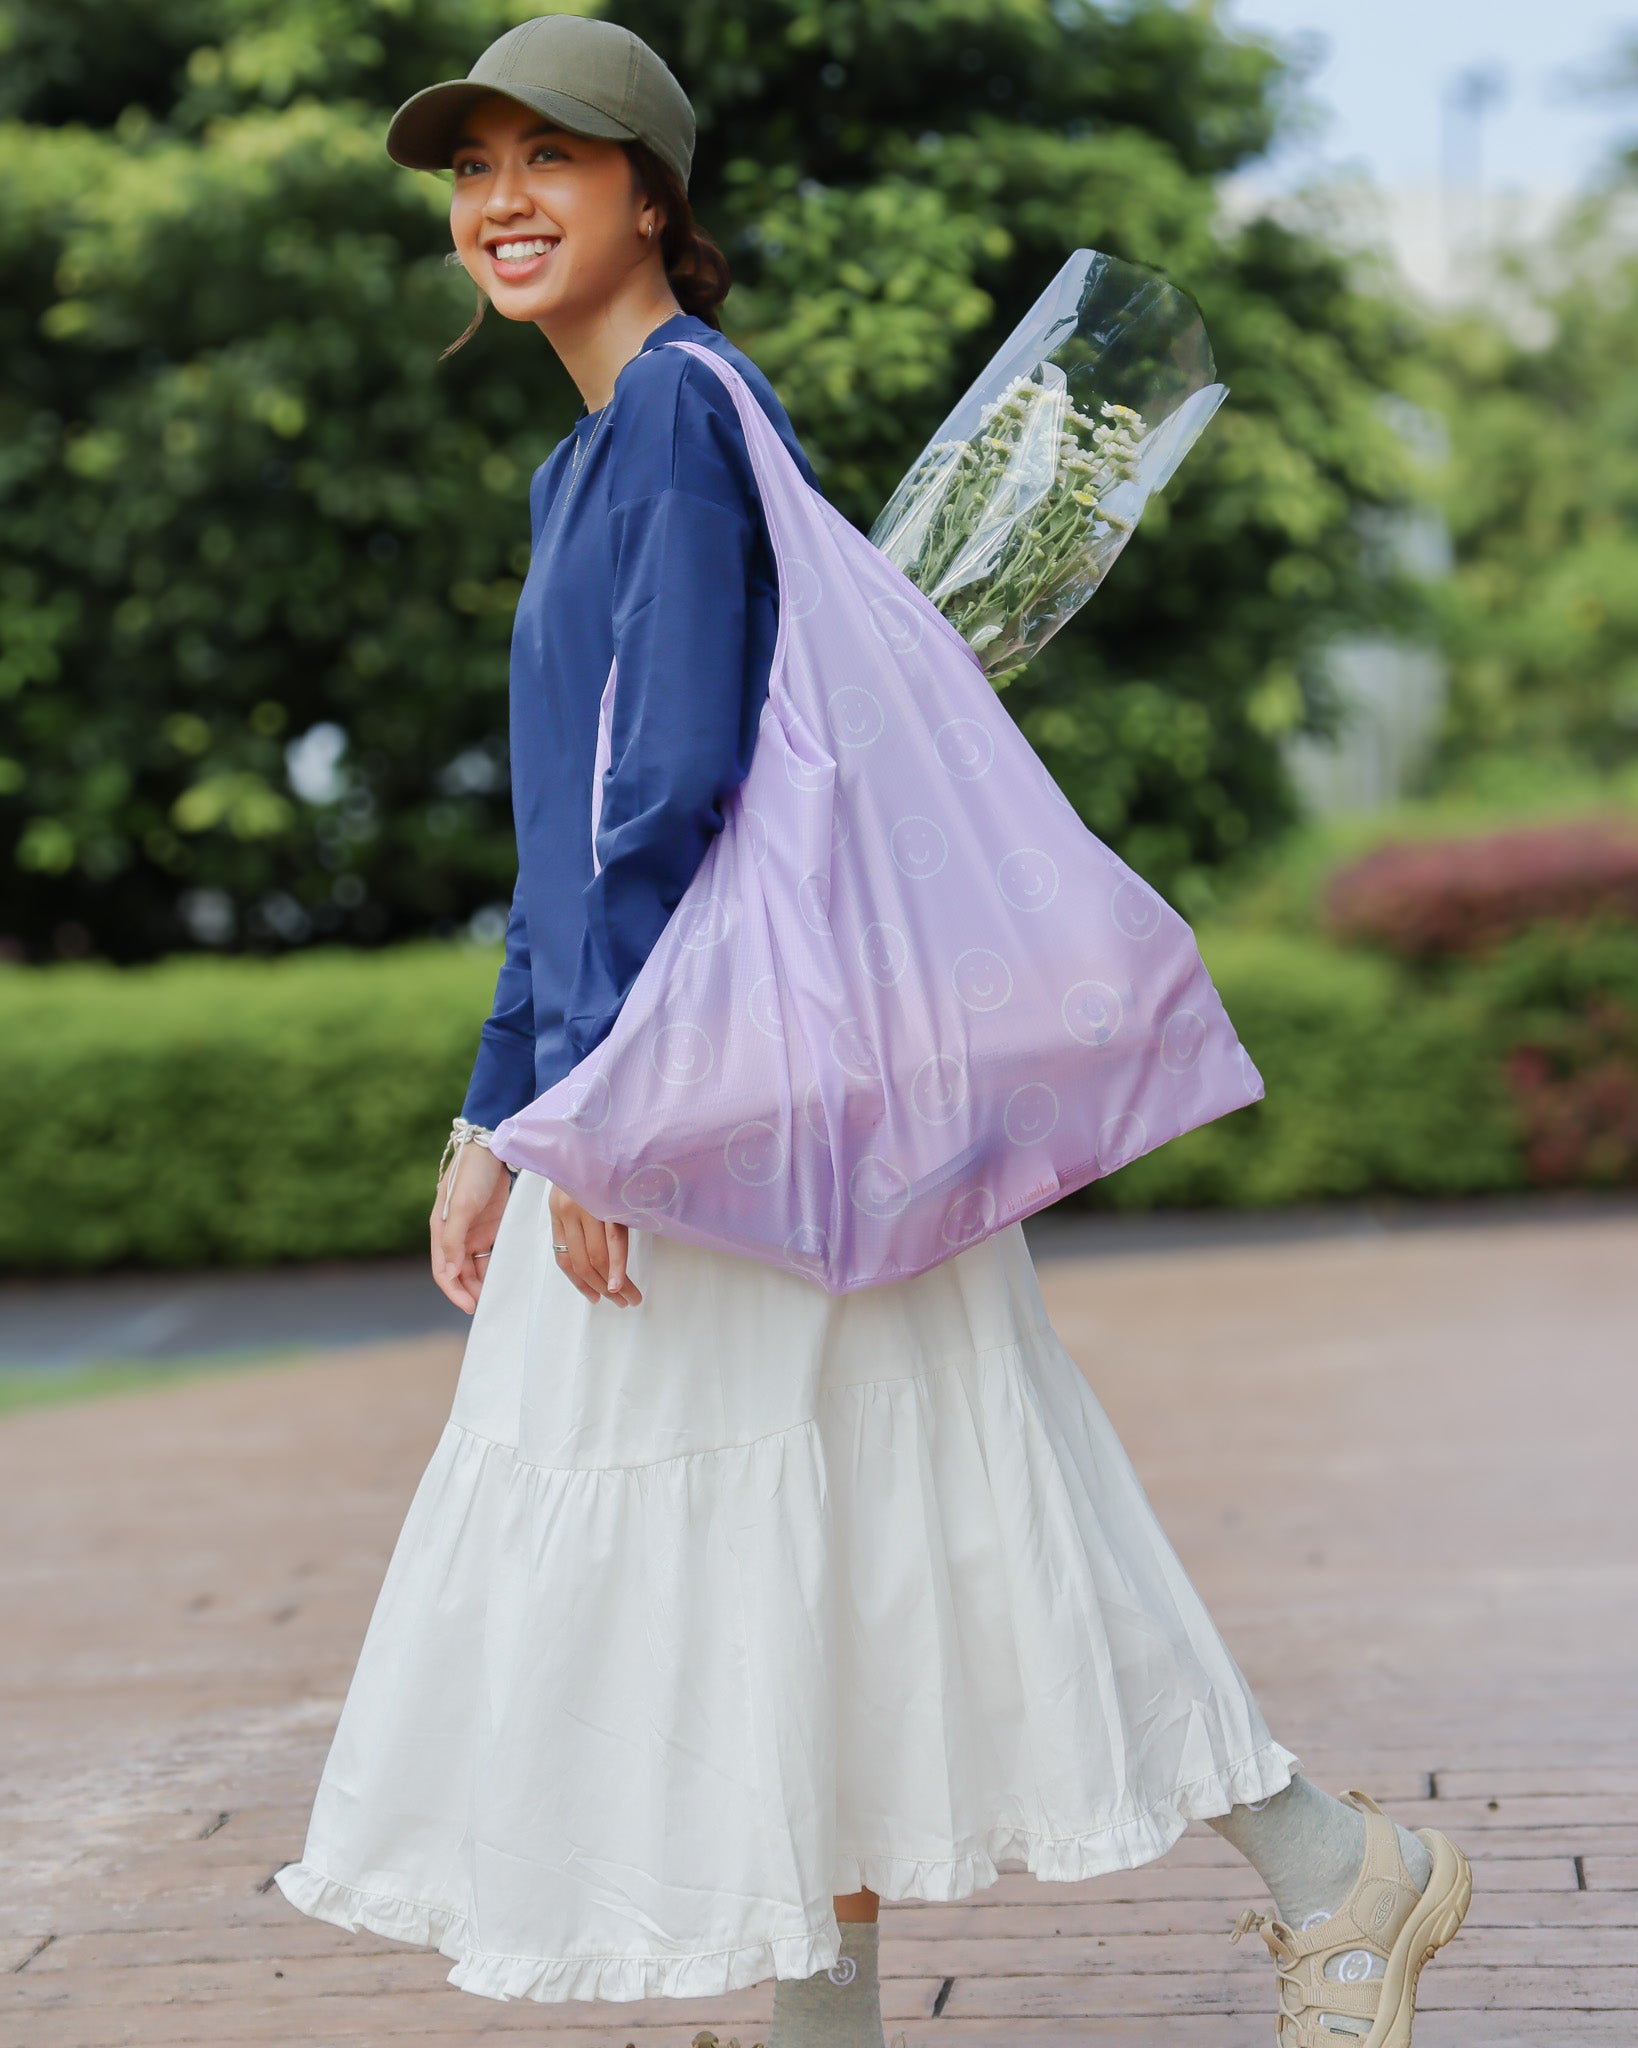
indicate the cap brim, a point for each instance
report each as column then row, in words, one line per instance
column 423, row 132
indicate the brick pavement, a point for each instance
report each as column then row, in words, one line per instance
column 1399, row 1468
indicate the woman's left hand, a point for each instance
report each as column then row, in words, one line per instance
column 595, row 1254
column 463, row 1240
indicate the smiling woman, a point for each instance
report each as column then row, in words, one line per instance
column 541, row 215
column 717, row 1619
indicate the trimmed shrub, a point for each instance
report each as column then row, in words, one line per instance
column 1578, row 1094
column 1566, row 1003
column 1443, row 898
column 207, row 1112
column 233, row 1111
column 1373, row 1086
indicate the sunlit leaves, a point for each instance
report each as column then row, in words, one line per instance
column 241, row 501
column 1542, row 495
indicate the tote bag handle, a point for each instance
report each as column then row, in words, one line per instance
column 755, row 424
column 775, row 470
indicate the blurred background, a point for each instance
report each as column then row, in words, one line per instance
column 1361, row 698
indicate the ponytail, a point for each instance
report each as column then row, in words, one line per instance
column 695, row 268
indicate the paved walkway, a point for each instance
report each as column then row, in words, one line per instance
column 61, row 1323
column 1400, row 1468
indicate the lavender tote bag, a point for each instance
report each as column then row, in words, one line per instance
column 907, row 998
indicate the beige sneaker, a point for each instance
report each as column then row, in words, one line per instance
column 1384, row 1915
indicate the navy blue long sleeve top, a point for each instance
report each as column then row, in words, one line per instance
column 649, row 549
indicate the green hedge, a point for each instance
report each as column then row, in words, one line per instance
column 231, row 1111
column 1375, row 1085
column 235, row 1111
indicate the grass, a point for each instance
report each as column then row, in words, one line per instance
column 23, row 1387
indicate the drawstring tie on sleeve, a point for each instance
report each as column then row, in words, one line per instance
column 461, row 1134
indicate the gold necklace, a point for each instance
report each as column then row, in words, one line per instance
column 580, row 448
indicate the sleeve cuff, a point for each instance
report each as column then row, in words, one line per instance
column 503, row 1081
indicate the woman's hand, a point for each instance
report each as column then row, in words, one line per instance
column 595, row 1258
column 463, row 1240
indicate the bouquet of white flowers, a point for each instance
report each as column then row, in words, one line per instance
column 1012, row 514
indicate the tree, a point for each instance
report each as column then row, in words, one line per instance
column 1542, row 613
column 249, row 525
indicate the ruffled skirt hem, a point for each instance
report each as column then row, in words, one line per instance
column 547, row 1979
column 1064, row 1859
column 704, row 1614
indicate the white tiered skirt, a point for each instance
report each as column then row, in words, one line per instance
column 709, row 1609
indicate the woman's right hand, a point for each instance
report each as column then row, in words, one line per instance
column 594, row 1252
column 463, row 1240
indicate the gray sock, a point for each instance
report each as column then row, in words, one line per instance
column 1307, row 1848
column 836, row 2008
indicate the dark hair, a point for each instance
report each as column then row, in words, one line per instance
column 695, row 268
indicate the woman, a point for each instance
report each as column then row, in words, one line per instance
column 712, row 1624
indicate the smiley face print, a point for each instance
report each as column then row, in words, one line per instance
column 593, row 1099
column 896, row 623
column 807, row 775
column 1135, row 909
column 808, row 1247
column 938, row 1088
column 855, row 715
column 884, row 952
column 1091, row 1012
column 802, row 590
column 1031, row 1113
column 918, row 846
column 651, row 1187
column 681, row 1054
column 853, row 1052
column 1120, row 1140
column 877, row 1188
column 964, row 748
column 756, row 834
column 1028, row 878
column 1182, row 1037
column 762, row 1006
column 699, row 926
column 813, row 900
column 969, row 1217
column 755, row 1154
column 982, row 979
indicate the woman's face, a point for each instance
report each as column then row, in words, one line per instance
column 545, row 221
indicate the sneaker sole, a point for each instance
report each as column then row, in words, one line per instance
column 1436, row 1917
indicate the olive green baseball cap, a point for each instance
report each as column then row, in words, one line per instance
column 591, row 77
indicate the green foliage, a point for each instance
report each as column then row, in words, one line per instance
column 224, row 1112
column 1569, row 995
column 55, row 1386
column 232, row 1112
column 1061, row 537
column 240, row 501
column 1541, row 616
column 1283, row 888
column 1559, row 969
column 1373, row 1086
